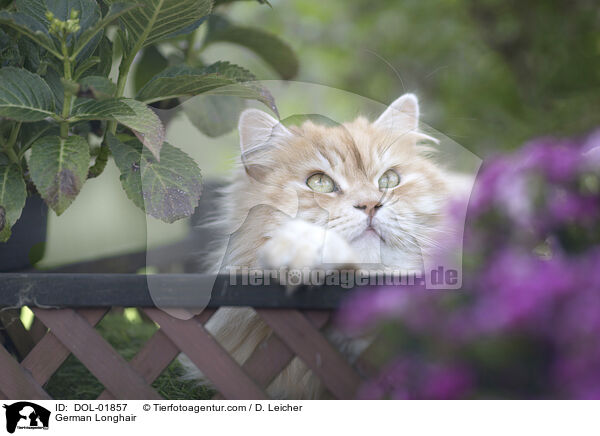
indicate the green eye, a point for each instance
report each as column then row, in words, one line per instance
column 321, row 183
column 389, row 179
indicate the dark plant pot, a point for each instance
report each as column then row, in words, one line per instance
column 27, row 243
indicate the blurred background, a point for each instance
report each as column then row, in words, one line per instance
column 490, row 75
column 498, row 77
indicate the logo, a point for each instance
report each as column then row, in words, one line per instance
column 26, row 415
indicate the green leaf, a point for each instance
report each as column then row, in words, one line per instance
column 131, row 113
column 33, row 131
column 90, row 109
column 214, row 115
column 222, row 2
column 105, row 52
column 100, row 87
column 54, row 82
column 269, row 47
column 146, row 125
column 13, row 194
column 86, row 65
column 188, row 29
column 219, row 78
column 89, row 11
column 156, row 20
column 231, row 71
column 24, row 96
column 35, row 9
column 89, row 15
column 5, row 232
column 151, row 63
column 181, row 81
column 114, row 11
column 168, row 190
column 58, row 168
column 32, row 55
column 98, row 65
column 10, row 52
column 31, row 28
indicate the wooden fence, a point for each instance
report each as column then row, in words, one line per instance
column 67, row 306
column 69, row 301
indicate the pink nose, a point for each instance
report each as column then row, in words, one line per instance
column 369, row 207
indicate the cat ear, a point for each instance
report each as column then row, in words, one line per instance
column 257, row 128
column 401, row 115
column 259, row 131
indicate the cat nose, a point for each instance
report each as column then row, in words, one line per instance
column 369, row 207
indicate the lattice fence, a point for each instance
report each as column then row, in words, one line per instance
column 69, row 301
column 56, row 333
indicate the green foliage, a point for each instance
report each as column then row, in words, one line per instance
column 99, row 86
column 29, row 27
column 57, row 101
column 131, row 113
column 114, row 11
column 490, row 74
column 218, row 78
column 151, row 63
column 167, row 189
column 179, row 81
column 214, row 115
column 268, row 46
column 12, row 195
column 24, row 96
column 157, row 20
column 58, row 167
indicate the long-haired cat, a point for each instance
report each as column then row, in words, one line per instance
column 358, row 193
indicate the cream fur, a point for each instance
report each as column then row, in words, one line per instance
column 271, row 218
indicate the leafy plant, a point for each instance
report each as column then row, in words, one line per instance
column 61, row 115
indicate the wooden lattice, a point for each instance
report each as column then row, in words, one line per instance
column 69, row 301
column 67, row 330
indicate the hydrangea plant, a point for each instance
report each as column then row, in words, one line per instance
column 61, row 115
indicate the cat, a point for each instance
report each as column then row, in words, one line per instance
column 304, row 196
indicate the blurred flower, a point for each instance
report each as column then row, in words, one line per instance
column 530, row 306
column 591, row 151
column 411, row 378
column 569, row 206
column 367, row 307
column 559, row 160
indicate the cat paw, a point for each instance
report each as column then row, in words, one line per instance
column 300, row 244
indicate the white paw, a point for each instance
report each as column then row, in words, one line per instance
column 299, row 244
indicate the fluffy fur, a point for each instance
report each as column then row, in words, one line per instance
column 271, row 218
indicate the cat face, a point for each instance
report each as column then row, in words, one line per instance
column 371, row 182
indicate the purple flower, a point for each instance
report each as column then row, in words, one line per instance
column 367, row 307
column 591, row 152
column 518, row 287
column 566, row 206
column 559, row 160
column 412, row 378
column 490, row 179
column 531, row 296
column 446, row 383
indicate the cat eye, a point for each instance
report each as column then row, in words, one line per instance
column 321, row 183
column 389, row 179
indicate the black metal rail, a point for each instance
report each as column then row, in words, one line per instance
column 55, row 290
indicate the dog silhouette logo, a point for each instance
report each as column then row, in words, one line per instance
column 26, row 415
